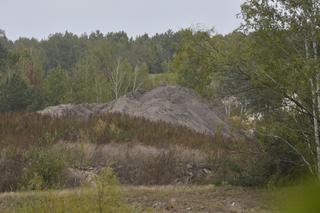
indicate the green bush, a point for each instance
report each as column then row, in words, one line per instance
column 45, row 169
column 108, row 192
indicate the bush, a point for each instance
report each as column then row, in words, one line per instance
column 108, row 192
column 11, row 167
column 278, row 165
column 45, row 169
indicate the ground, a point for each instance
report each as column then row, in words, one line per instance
column 209, row 198
column 197, row 199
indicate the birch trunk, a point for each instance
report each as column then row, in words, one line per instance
column 314, row 84
column 317, row 106
column 116, row 80
column 315, row 102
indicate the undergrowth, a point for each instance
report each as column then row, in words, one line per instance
column 37, row 151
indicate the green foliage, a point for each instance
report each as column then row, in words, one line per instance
column 108, row 191
column 45, row 169
column 3, row 54
column 88, row 84
column 283, row 60
column 260, row 67
column 163, row 79
column 62, row 50
column 142, row 76
column 14, row 95
column 55, row 86
column 68, row 68
column 191, row 62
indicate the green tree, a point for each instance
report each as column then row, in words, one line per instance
column 192, row 62
column 141, row 78
column 62, row 50
column 284, row 54
column 89, row 84
column 56, row 86
column 14, row 95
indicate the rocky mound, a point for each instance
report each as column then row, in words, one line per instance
column 172, row 104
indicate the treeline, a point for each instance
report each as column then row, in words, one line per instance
column 67, row 68
column 88, row 68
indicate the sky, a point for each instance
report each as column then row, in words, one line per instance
column 40, row 18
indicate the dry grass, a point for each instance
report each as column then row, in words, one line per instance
column 21, row 130
column 140, row 164
column 113, row 152
column 140, row 151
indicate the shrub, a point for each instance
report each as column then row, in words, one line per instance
column 108, row 192
column 45, row 169
column 11, row 167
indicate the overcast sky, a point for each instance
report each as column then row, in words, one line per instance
column 39, row 18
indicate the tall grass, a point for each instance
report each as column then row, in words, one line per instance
column 25, row 129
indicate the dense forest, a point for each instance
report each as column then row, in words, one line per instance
column 265, row 76
column 67, row 68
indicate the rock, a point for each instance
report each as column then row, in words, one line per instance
column 82, row 110
column 158, row 205
column 172, row 203
column 78, row 177
column 172, row 104
column 206, row 171
column 189, row 166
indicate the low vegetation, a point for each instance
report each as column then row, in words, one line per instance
column 39, row 152
column 106, row 197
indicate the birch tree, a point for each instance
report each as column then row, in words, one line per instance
column 120, row 77
column 287, row 33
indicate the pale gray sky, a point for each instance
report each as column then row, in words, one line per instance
column 39, row 18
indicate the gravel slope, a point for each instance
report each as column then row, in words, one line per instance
column 172, row 104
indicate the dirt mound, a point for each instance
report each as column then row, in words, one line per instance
column 172, row 104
